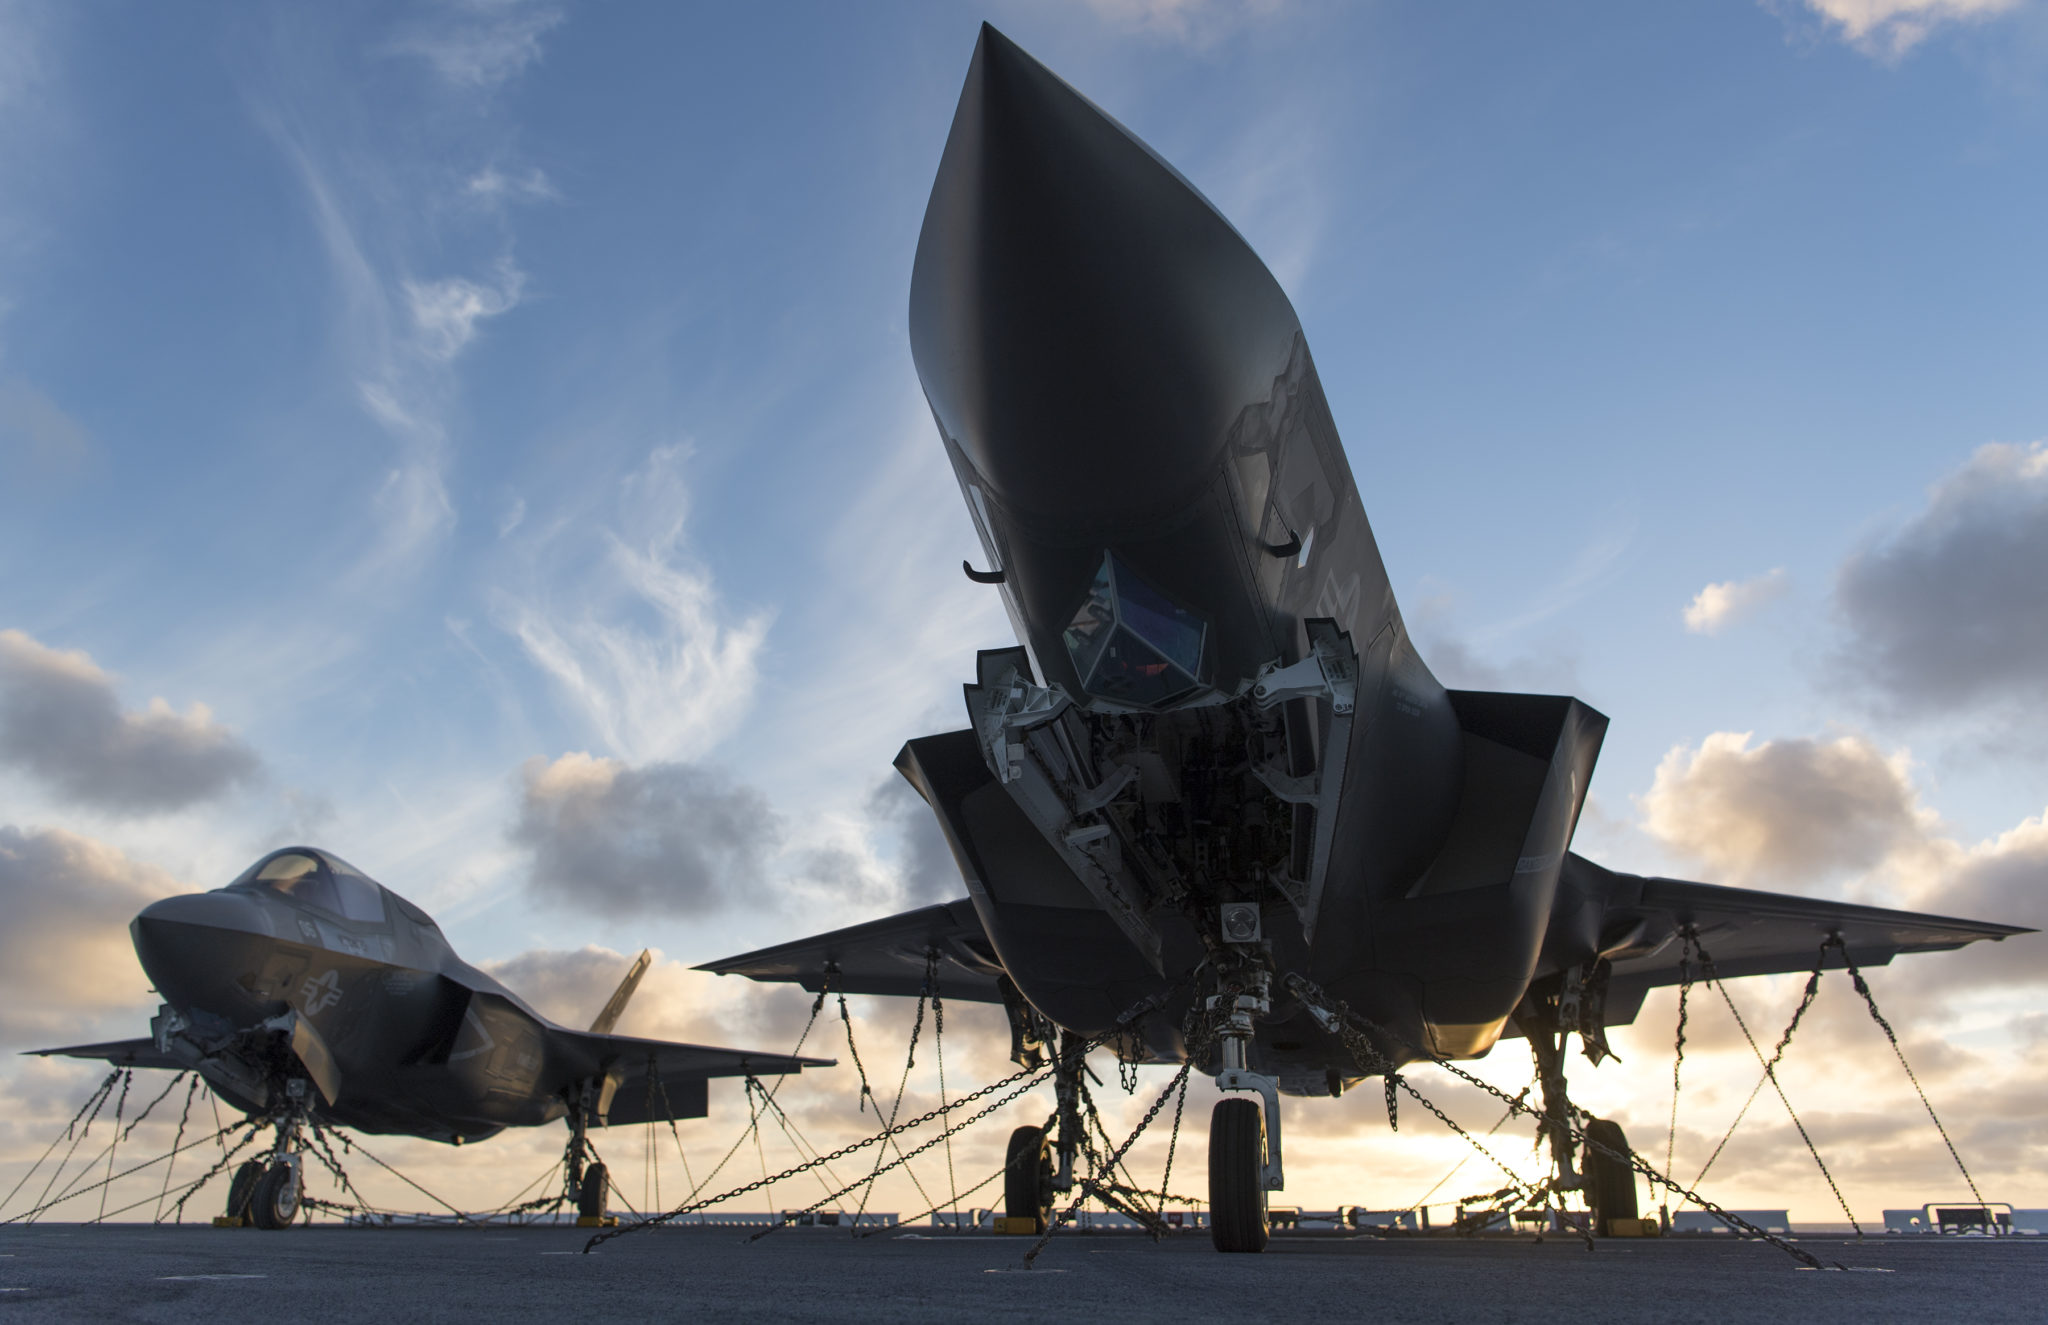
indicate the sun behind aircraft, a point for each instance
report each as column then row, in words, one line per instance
column 1217, row 768
column 307, row 990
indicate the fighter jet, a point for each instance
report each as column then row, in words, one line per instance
column 1216, row 765
column 307, row 992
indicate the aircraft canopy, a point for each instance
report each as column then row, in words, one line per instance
column 321, row 879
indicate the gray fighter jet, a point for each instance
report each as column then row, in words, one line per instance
column 1217, row 766
column 306, row 991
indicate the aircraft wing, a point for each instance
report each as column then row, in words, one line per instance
column 887, row 956
column 1757, row 933
column 121, row 1053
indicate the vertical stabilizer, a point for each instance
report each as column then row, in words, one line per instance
column 615, row 1006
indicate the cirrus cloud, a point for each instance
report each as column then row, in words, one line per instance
column 647, row 653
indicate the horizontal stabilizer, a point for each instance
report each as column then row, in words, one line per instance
column 888, row 956
column 582, row 1055
column 121, row 1053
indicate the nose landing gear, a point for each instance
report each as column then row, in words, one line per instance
column 1237, row 1187
column 275, row 1202
column 266, row 1193
column 1244, row 1135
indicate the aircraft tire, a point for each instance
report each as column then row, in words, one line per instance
column 1610, row 1183
column 276, row 1200
column 242, row 1188
column 1027, row 1175
column 1237, row 1176
column 590, row 1195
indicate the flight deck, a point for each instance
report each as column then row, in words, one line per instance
column 141, row 1273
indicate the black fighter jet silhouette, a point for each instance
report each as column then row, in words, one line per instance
column 305, row 990
column 1217, row 766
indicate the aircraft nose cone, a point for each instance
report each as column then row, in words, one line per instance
column 216, row 910
column 1086, row 326
column 183, row 942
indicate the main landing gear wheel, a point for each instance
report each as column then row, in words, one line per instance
column 242, row 1188
column 1610, row 1181
column 591, row 1192
column 1237, row 1176
column 1027, row 1175
column 276, row 1200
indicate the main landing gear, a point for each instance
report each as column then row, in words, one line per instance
column 1039, row 1164
column 585, row 1182
column 1608, row 1180
column 1028, row 1175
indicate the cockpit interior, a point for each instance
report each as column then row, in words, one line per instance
column 1133, row 645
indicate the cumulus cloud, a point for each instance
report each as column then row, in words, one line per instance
column 1951, row 608
column 65, row 957
column 1456, row 663
column 1791, row 810
column 646, row 653
column 61, row 722
column 1720, row 605
column 1457, row 657
column 2004, row 879
column 626, row 841
column 1890, row 28
column 1794, row 811
column 571, row 985
column 925, row 863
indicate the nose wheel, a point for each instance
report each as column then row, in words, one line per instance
column 1237, row 1176
column 275, row 1202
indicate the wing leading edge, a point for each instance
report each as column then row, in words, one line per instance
column 1748, row 932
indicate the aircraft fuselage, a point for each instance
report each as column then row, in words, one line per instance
column 1130, row 407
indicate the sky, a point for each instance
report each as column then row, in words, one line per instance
column 480, row 437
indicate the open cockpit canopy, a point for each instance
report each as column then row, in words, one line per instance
column 307, row 876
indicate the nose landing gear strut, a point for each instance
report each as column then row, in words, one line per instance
column 266, row 1193
column 1244, row 1135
